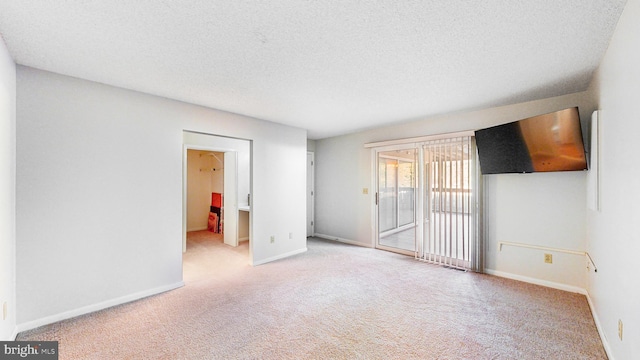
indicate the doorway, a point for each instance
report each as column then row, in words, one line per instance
column 220, row 167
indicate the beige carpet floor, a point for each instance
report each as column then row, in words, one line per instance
column 333, row 302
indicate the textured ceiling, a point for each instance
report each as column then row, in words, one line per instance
column 330, row 66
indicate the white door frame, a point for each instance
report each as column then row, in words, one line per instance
column 230, row 201
column 184, row 187
column 311, row 194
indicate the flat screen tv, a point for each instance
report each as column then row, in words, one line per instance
column 549, row 142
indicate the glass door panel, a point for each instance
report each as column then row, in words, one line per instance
column 397, row 200
column 387, row 194
column 406, row 192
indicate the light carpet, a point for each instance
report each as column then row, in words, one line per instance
column 335, row 301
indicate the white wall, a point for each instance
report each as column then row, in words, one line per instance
column 99, row 192
column 243, row 225
column 311, row 145
column 343, row 169
column 613, row 237
column 544, row 209
column 7, row 192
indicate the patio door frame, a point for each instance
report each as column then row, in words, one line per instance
column 404, row 144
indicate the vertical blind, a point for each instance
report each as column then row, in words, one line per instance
column 451, row 187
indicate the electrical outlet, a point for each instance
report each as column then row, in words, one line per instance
column 4, row 310
column 548, row 258
column 273, row 239
column 290, row 236
column 620, row 329
column 365, row 191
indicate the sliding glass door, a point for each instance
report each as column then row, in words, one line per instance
column 427, row 201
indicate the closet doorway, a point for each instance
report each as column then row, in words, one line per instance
column 212, row 193
column 222, row 166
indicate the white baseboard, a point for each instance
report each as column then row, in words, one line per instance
column 342, row 240
column 278, row 257
column 199, row 228
column 530, row 280
column 95, row 307
column 14, row 334
column 243, row 239
column 603, row 337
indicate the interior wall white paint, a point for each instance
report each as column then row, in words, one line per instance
column 91, row 226
column 7, row 191
column 201, row 182
column 343, row 169
column 311, row 145
column 243, row 225
column 612, row 234
column 543, row 209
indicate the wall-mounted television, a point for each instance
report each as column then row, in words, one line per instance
column 549, row 142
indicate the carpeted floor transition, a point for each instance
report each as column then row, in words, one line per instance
column 333, row 302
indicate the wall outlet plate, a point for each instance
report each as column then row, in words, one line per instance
column 548, row 258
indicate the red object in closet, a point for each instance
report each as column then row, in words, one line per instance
column 213, row 224
column 216, row 200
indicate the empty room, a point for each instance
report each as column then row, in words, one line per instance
column 319, row 180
